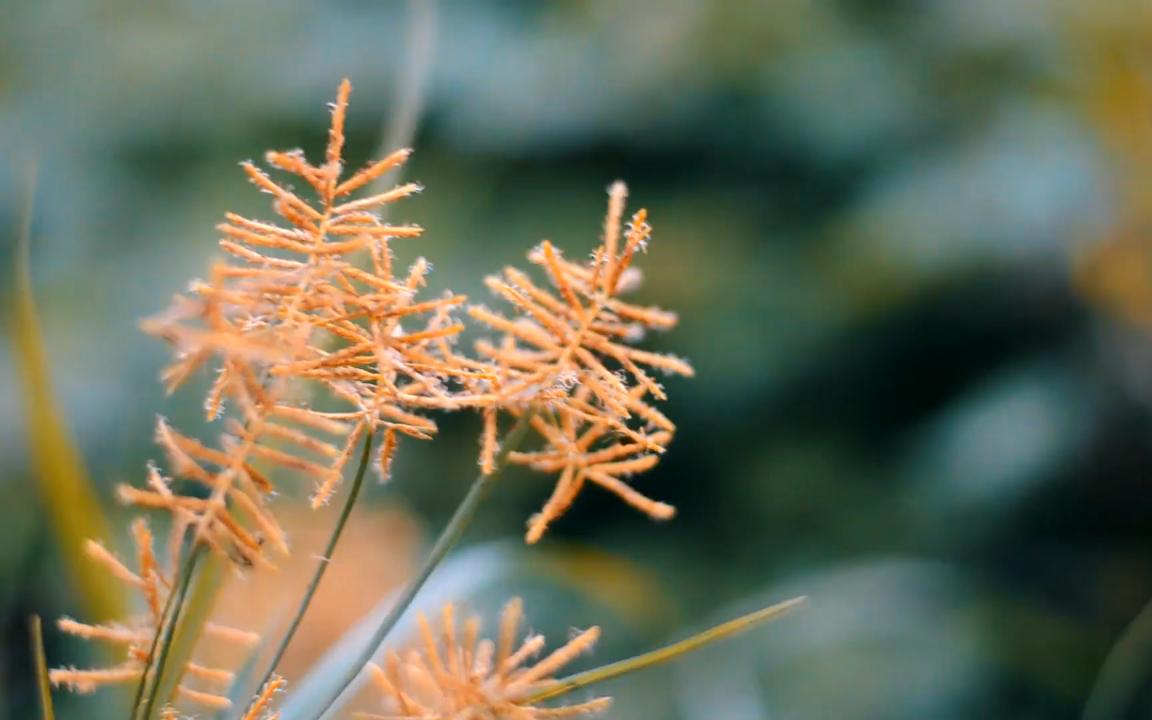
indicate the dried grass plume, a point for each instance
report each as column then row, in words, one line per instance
column 452, row 673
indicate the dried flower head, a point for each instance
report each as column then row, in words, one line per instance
column 581, row 450
column 567, row 355
column 318, row 344
column 135, row 635
column 308, row 305
column 454, row 674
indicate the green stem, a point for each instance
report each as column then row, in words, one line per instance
column 323, row 562
column 418, row 36
column 452, row 533
column 139, row 697
column 162, row 640
column 43, row 685
column 566, row 685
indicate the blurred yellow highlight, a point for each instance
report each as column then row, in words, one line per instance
column 70, row 501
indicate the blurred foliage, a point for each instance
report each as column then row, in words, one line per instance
column 73, row 508
column 908, row 240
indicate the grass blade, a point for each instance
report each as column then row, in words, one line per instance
column 44, row 687
column 192, row 601
column 665, row 654
column 198, row 606
column 72, row 505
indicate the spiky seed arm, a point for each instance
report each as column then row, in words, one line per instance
column 135, row 634
column 453, row 673
column 567, row 351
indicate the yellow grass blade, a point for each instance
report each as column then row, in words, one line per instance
column 42, row 684
column 68, row 496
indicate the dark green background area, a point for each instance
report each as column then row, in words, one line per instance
column 869, row 215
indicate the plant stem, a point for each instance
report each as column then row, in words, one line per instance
column 451, row 534
column 42, row 684
column 139, row 697
column 419, row 38
column 566, row 685
column 323, row 561
column 162, row 640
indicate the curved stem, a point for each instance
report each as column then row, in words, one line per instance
column 451, row 534
column 322, row 562
column 566, row 685
column 1122, row 671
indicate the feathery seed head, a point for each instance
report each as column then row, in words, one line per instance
column 452, row 673
column 568, row 354
column 294, row 304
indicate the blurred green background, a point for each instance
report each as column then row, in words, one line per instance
column 910, row 242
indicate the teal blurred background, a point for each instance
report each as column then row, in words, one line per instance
column 909, row 242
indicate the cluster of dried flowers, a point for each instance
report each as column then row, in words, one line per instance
column 318, row 344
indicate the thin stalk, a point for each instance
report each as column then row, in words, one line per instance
column 139, row 697
column 162, row 640
column 420, row 39
column 566, row 685
column 323, row 561
column 451, row 534
column 43, row 686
